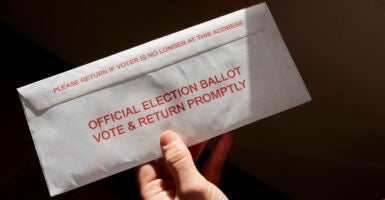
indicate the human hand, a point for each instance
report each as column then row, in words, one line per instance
column 174, row 176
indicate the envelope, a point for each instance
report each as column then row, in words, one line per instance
column 106, row 116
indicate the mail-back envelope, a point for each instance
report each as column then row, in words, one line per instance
column 106, row 116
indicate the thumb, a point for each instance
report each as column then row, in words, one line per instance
column 178, row 158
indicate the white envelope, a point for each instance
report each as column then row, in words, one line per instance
column 106, row 116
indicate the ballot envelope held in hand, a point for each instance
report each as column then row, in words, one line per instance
column 106, row 116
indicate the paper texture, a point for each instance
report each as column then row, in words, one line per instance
column 105, row 117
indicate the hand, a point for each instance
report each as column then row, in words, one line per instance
column 175, row 176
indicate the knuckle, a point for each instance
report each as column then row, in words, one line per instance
column 176, row 156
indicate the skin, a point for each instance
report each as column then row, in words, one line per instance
column 175, row 176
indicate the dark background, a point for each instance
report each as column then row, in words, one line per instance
column 330, row 148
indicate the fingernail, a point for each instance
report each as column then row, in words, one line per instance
column 168, row 137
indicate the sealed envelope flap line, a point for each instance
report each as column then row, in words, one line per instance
column 143, row 59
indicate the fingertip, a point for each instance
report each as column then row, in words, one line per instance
column 212, row 169
column 225, row 141
column 229, row 135
column 146, row 173
column 168, row 137
column 197, row 149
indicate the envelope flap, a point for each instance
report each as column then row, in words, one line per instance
column 143, row 59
